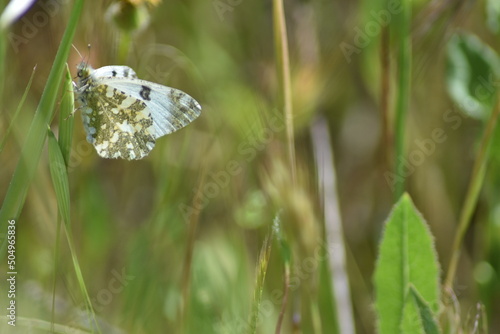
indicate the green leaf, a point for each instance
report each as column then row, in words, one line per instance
column 411, row 323
column 472, row 71
column 59, row 177
column 406, row 256
column 418, row 317
column 16, row 113
column 426, row 315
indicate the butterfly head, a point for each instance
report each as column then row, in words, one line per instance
column 83, row 73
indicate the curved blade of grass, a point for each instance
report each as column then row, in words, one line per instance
column 286, row 254
column 66, row 120
column 474, row 188
column 59, row 177
column 65, row 137
column 265, row 253
column 31, row 323
column 19, row 107
column 60, row 181
column 32, row 149
column 283, row 67
column 3, row 49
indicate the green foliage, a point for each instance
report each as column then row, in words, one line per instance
column 472, row 72
column 407, row 258
column 131, row 260
column 32, row 149
column 5, row 136
column 59, row 177
column 427, row 315
column 66, row 119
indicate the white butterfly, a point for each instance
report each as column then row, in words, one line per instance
column 123, row 115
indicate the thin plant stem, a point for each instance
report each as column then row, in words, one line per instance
column 283, row 68
column 265, row 254
column 404, row 44
column 385, row 62
column 473, row 190
column 286, row 290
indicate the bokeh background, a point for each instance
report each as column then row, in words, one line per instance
column 171, row 243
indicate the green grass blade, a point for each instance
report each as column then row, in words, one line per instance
column 265, row 253
column 59, row 177
column 66, row 119
column 3, row 52
column 283, row 71
column 80, row 279
column 286, row 255
column 474, row 188
column 29, row 325
column 19, row 107
column 60, row 181
column 32, row 149
column 65, row 137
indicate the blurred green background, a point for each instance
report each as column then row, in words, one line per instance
column 188, row 264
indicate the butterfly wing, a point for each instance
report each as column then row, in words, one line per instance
column 117, row 124
column 114, row 72
column 171, row 109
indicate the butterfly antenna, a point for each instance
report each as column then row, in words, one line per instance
column 88, row 54
column 74, row 47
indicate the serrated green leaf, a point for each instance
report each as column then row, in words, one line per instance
column 406, row 256
column 473, row 69
column 59, row 176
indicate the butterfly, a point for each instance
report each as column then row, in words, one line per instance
column 123, row 115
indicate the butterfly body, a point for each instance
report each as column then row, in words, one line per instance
column 123, row 115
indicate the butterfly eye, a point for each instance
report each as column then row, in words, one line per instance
column 80, row 73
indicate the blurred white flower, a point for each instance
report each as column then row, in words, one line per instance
column 14, row 10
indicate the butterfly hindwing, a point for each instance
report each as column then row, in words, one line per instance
column 117, row 124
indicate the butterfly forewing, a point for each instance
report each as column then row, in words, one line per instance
column 114, row 72
column 171, row 109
